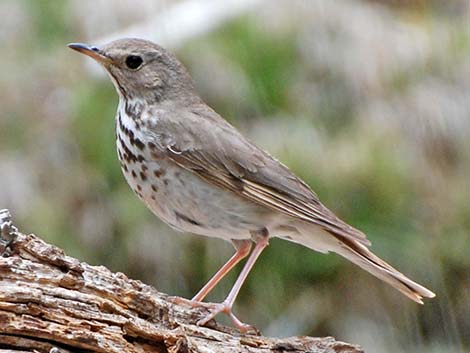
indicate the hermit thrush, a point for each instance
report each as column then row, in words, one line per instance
column 200, row 175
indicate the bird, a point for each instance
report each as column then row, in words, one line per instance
column 200, row 175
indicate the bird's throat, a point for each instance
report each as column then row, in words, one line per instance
column 133, row 108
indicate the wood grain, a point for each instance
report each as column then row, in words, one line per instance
column 51, row 302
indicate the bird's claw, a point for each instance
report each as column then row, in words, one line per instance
column 226, row 308
column 216, row 308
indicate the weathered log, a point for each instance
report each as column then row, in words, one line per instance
column 50, row 302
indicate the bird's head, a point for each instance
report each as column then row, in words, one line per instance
column 141, row 69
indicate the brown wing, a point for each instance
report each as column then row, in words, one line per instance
column 224, row 157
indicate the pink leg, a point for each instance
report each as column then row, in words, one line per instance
column 243, row 249
column 227, row 304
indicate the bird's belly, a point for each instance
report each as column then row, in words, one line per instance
column 188, row 203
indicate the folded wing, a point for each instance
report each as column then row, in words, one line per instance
column 227, row 159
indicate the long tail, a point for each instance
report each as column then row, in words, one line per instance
column 360, row 255
column 364, row 258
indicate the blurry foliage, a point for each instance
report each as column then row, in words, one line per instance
column 268, row 61
column 93, row 125
column 50, row 22
column 363, row 146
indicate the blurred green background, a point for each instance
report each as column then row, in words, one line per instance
column 367, row 101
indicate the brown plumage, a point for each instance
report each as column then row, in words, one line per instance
column 208, row 179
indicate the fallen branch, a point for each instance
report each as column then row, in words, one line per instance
column 50, row 302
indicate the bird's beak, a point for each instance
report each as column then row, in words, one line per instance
column 91, row 51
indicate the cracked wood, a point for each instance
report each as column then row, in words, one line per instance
column 50, row 302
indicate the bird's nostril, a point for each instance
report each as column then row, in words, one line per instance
column 94, row 49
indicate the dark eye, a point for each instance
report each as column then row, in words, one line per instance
column 133, row 62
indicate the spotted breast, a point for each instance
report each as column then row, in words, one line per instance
column 180, row 198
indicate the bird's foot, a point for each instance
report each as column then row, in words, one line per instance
column 226, row 308
column 215, row 309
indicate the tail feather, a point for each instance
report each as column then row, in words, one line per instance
column 364, row 258
column 359, row 254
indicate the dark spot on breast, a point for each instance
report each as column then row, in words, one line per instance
column 143, row 176
column 134, row 140
column 159, row 172
column 128, row 155
column 153, row 197
column 166, row 182
column 139, row 187
column 186, row 219
column 140, row 158
column 151, row 145
column 119, row 121
column 134, row 175
column 154, row 188
column 124, row 166
column 121, row 126
column 140, row 145
column 143, row 168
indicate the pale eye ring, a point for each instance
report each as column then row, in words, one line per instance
column 133, row 62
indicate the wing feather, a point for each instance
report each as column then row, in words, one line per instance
column 227, row 159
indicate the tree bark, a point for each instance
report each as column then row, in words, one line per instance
column 50, row 302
